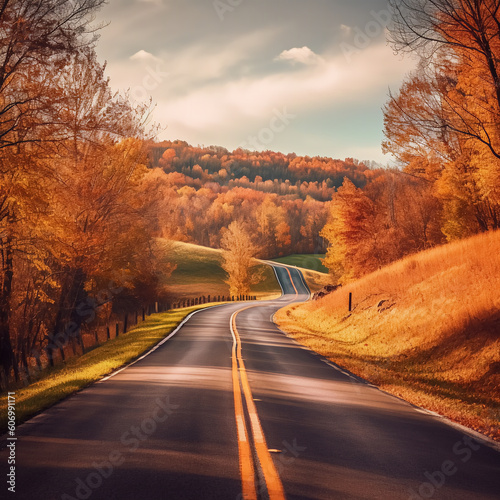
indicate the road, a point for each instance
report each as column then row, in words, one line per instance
column 231, row 408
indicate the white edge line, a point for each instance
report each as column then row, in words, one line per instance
column 235, row 344
column 277, row 279
column 487, row 441
column 298, row 269
column 304, row 282
column 160, row 343
column 477, row 435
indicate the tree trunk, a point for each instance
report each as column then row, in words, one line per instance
column 66, row 313
column 7, row 357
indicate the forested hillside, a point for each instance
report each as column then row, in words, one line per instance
column 291, row 204
column 267, row 171
column 281, row 199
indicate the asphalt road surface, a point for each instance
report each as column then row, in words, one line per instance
column 230, row 408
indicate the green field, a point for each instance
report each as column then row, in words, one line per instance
column 304, row 261
column 199, row 272
column 314, row 272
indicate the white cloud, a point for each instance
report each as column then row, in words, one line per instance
column 302, row 55
column 346, row 30
column 195, row 67
column 143, row 55
column 212, row 93
column 312, row 87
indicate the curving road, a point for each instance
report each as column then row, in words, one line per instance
column 230, row 408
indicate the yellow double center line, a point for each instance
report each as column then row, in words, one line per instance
column 247, row 468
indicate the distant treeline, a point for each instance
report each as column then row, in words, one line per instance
column 266, row 171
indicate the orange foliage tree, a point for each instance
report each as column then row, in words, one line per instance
column 393, row 216
column 443, row 124
column 36, row 38
column 72, row 167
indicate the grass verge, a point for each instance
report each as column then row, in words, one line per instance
column 425, row 329
column 62, row 381
column 305, row 261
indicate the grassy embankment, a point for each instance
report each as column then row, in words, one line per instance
column 426, row 328
column 199, row 272
column 313, row 270
column 77, row 373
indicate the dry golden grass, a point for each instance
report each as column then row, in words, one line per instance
column 426, row 328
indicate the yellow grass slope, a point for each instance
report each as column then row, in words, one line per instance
column 426, row 328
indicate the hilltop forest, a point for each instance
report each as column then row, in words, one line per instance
column 282, row 200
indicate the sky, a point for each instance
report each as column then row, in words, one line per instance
column 302, row 76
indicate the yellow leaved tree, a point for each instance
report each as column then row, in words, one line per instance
column 239, row 251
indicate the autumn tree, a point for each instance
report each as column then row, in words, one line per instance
column 443, row 124
column 74, row 215
column 238, row 253
column 310, row 221
column 91, row 205
column 96, row 223
column 393, row 216
column 35, row 35
column 35, row 39
column 349, row 231
column 468, row 28
column 273, row 228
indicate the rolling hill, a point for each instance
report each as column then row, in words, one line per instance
column 425, row 328
column 199, row 272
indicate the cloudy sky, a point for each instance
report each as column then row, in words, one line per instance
column 303, row 76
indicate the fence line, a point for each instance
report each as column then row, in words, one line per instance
column 90, row 338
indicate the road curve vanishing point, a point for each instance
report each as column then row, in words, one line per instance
column 231, row 408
